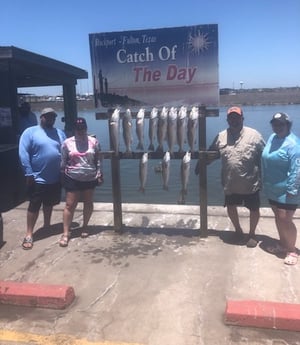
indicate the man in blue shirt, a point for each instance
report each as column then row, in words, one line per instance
column 40, row 156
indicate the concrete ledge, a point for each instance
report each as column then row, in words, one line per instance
column 260, row 314
column 36, row 295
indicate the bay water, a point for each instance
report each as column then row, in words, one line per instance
column 257, row 117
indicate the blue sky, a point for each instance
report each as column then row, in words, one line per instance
column 258, row 39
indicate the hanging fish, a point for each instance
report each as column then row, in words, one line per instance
column 192, row 127
column 152, row 127
column 127, row 130
column 184, row 174
column 114, row 130
column 181, row 127
column 166, row 170
column 140, row 128
column 172, row 129
column 162, row 129
column 143, row 169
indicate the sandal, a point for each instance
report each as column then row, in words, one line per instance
column 64, row 240
column 27, row 243
column 291, row 258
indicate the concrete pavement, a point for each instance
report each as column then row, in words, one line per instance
column 157, row 283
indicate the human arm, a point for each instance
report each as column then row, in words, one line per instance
column 98, row 162
column 211, row 155
column 25, row 153
column 293, row 181
column 64, row 157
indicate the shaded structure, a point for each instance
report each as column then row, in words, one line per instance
column 21, row 68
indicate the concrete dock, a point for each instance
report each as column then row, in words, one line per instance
column 156, row 283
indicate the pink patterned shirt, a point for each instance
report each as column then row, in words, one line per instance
column 81, row 158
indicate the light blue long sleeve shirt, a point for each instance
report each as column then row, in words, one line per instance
column 40, row 153
column 281, row 169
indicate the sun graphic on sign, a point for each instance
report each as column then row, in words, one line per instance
column 198, row 43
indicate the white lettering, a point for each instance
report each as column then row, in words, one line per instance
column 123, row 57
column 165, row 53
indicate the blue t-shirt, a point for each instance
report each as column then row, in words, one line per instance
column 281, row 169
column 40, row 153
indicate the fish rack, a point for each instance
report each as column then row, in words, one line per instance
column 201, row 154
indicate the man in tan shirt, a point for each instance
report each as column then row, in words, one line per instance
column 240, row 150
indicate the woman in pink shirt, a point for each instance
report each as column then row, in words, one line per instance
column 81, row 169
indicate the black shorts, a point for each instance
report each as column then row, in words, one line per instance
column 291, row 207
column 46, row 194
column 250, row 201
column 72, row 185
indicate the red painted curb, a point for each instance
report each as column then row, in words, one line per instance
column 36, row 295
column 260, row 314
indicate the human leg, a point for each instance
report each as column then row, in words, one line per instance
column 234, row 217
column 286, row 228
column 253, row 219
column 287, row 233
column 88, row 207
column 72, row 198
column 35, row 201
column 51, row 195
column 47, row 211
column 31, row 221
column 252, row 203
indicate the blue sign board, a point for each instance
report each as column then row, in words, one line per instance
column 156, row 67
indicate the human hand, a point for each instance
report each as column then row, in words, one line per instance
column 100, row 179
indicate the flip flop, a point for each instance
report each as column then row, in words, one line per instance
column 27, row 243
column 291, row 258
column 64, row 241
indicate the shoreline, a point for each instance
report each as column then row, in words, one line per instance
column 241, row 98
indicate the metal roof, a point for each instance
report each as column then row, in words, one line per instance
column 30, row 69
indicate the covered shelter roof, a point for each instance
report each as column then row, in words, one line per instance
column 21, row 68
column 34, row 70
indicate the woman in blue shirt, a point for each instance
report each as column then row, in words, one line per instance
column 281, row 182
